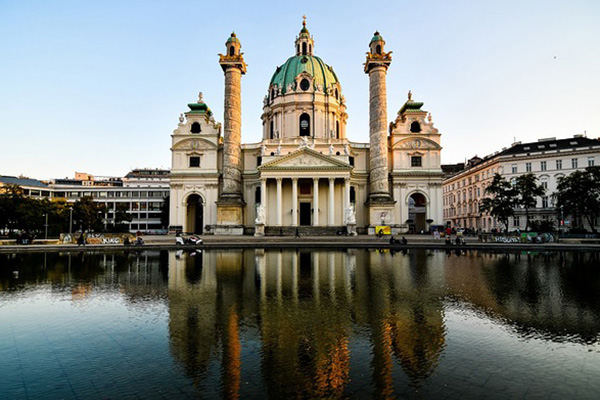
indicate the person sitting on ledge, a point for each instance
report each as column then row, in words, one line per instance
column 404, row 241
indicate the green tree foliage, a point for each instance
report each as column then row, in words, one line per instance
column 19, row 212
column 528, row 190
column 88, row 214
column 122, row 215
column 502, row 201
column 578, row 194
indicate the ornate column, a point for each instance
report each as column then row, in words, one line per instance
column 294, row 201
column 331, row 212
column 230, row 206
column 376, row 66
column 315, row 201
column 279, row 201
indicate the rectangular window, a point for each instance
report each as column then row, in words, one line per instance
column 558, row 164
column 415, row 161
column 516, row 222
column 528, row 167
column 514, row 169
column 194, row 162
column 590, row 161
column 545, row 202
column 258, row 161
column 543, row 165
column 545, row 185
column 573, row 163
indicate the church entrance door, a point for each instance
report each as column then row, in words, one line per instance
column 305, row 213
column 195, row 215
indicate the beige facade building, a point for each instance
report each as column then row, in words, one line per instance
column 305, row 174
column 549, row 159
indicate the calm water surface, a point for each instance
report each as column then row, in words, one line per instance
column 299, row 324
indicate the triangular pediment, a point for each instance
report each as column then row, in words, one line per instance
column 305, row 159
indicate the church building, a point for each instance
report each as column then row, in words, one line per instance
column 305, row 175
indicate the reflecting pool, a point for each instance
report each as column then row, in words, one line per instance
column 299, row 324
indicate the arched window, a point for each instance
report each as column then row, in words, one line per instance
column 310, row 48
column 337, row 94
column 298, row 49
column 271, row 130
column 195, row 127
column 352, row 195
column 415, row 127
column 304, row 125
column 304, row 48
column 232, row 51
column 378, row 49
column 272, row 94
column 337, row 129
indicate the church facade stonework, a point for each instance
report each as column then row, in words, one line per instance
column 305, row 175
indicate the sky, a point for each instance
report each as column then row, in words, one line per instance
column 98, row 86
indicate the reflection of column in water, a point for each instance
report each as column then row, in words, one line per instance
column 261, row 270
column 231, row 357
column 331, row 274
column 176, row 271
column 295, row 276
column 315, row 256
column 279, row 277
column 349, row 270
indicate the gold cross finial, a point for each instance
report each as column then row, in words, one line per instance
column 304, row 20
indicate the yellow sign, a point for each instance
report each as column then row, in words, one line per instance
column 383, row 230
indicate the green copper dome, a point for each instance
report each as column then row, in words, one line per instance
column 233, row 38
column 322, row 73
column 377, row 37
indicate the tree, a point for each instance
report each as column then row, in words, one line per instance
column 121, row 215
column 501, row 204
column 578, row 194
column 528, row 191
column 88, row 213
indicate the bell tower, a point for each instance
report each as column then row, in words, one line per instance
column 230, row 206
column 380, row 203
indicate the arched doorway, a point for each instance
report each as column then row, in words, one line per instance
column 195, row 214
column 417, row 213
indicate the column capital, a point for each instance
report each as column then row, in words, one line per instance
column 278, row 179
column 294, row 179
column 331, row 180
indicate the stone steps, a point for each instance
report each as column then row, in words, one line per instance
column 305, row 230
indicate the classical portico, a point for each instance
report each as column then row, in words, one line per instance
column 305, row 188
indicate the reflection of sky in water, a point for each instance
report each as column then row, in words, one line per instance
column 287, row 324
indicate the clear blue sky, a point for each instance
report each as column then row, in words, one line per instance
column 97, row 86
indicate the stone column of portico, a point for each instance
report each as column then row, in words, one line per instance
column 331, row 213
column 294, row 201
column 279, row 201
column 315, row 201
column 346, row 193
column 263, row 197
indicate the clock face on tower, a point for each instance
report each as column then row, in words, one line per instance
column 416, row 144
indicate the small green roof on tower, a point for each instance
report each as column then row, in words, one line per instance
column 376, row 37
column 233, row 38
column 200, row 107
column 411, row 106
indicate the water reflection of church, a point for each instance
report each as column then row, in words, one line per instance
column 305, row 310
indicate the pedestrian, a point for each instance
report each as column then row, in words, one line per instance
column 297, row 232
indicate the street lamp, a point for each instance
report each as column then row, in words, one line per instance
column 70, row 221
column 46, row 226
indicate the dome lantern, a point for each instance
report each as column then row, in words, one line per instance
column 304, row 41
